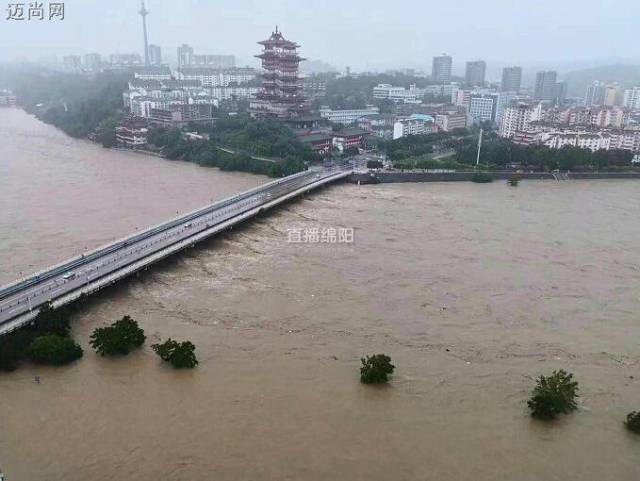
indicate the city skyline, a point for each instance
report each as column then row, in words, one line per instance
column 498, row 33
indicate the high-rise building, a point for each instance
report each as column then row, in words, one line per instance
column 93, row 61
column 611, row 95
column 143, row 13
column 72, row 62
column 475, row 72
column 560, row 92
column 441, row 69
column 631, row 99
column 511, row 79
column 546, row 88
column 185, row 55
column 155, row 55
column 594, row 95
column 281, row 94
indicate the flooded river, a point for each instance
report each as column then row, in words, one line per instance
column 473, row 290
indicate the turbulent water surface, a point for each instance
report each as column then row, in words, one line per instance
column 473, row 290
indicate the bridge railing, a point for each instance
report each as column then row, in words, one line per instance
column 110, row 248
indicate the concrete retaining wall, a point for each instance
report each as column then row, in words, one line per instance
column 393, row 177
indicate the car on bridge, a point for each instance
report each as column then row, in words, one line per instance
column 69, row 275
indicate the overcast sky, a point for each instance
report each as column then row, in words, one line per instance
column 372, row 34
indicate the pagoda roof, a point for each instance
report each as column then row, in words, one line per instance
column 277, row 39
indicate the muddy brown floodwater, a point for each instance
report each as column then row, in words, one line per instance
column 473, row 290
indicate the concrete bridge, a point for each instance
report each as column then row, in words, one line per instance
column 66, row 282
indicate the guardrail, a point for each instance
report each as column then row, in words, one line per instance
column 94, row 255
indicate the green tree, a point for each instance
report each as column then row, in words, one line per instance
column 633, row 422
column 180, row 354
column 54, row 350
column 51, row 320
column 13, row 347
column 553, row 395
column 118, row 339
column 375, row 369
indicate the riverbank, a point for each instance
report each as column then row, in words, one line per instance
column 400, row 177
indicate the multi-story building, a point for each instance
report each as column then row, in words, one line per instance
column 546, row 86
column 152, row 73
column 313, row 88
column 511, row 79
column 475, row 72
column 441, row 69
column 93, row 61
column 319, row 142
column 445, row 90
column 451, row 120
column 233, row 92
column 219, row 62
column 417, row 124
column 281, row 94
column 631, row 99
column 144, row 95
column 180, row 115
column 378, row 125
column 398, row 94
column 611, row 95
column 7, row 98
column 185, row 55
column 155, row 55
column 346, row 116
column 125, row 60
column 517, row 117
column 210, row 77
column 595, row 94
column 72, row 63
column 602, row 116
column 132, row 133
column 460, row 97
column 349, row 139
column 483, row 107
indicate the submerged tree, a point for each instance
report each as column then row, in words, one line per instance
column 633, row 422
column 54, row 350
column 375, row 369
column 179, row 354
column 51, row 320
column 120, row 338
column 553, row 395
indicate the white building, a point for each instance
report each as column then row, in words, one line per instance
column 483, row 107
column 232, row 92
column 448, row 121
column 398, row 94
column 631, row 98
column 152, row 73
column 346, row 116
column 210, row 77
column 144, row 95
column 417, row 124
column 557, row 138
column 517, row 117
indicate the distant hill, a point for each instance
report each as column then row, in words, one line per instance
column 578, row 80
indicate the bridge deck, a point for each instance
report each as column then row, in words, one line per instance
column 65, row 282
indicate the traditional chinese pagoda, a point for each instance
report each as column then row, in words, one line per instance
column 281, row 95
